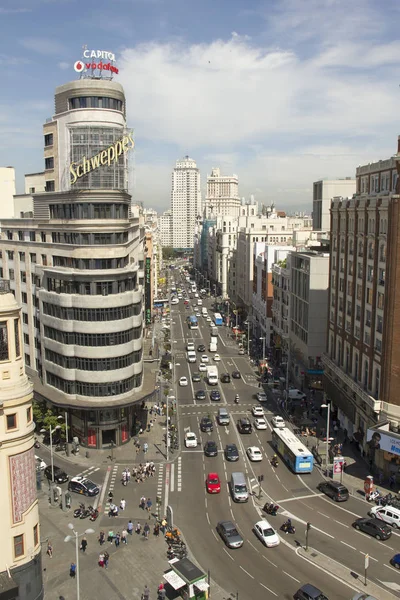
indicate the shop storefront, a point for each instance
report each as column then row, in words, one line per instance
column 384, row 450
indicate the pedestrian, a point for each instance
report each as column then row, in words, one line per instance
column 84, row 544
column 124, row 536
column 128, row 475
column 101, row 560
column 130, row 527
column 122, row 504
column 146, row 593
column 138, row 528
column 72, row 570
column 156, row 530
column 142, row 502
column 49, row 549
column 146, row 531
column 145, row 447
column 106, row 559
column 163, row 526
column 110, row 536
column 117, row 539
column 149, row 504
column 102, row 538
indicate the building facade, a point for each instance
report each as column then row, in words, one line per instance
column 165, row 228
column 362, row 357
column 20, row 554
column 222, row 196
column 7, row 192
column 185, row 202
column 323, row 193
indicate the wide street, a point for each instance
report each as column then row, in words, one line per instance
column 254, row 569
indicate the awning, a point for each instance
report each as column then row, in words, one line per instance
column 173, row 579
column 202, row 585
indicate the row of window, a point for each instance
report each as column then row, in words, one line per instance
column 90, row 263
column 92, row 314
column 95, row 102
column 89, row 239
column 89, row 210
column 93, row 339
column 91, row 288
column 83, row 388
column 94, row 364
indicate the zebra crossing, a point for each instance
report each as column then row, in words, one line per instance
column 111, row 487
column 88, row 471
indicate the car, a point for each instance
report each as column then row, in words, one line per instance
column 200, row 395
column 202, row 367
column 236, row 375
column 183, row 381
column 213, row 483
column 395, row 561
column 198, row 314
column 40, row 463
column 201, row 348
column 175, row 300
column 225, row 378
column 83, row 485
column 361, row 596
column 190, row 440
column 334, row 490
column 231, row 452
column 196, row 377
column 294, row 394
column 215, row 396
column 309, row 592
column 241, row 352
column 254, row 453
column 244, row 425
column 210, row 448
column 229, row 534
column 262, row 396
column 216, row 357
column 374, row 527
column 278, row 422
column 266, row 533
column 260, row 423
column 204, row 358
column 257, row 411
column 206, row 424
column 208, row 318
column 60, row 476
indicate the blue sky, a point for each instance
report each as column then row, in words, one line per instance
column 280, row 92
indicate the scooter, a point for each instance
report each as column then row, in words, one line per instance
column 373, row 496
column 86, row 512
column 236, row 399
column 274, row 462
column 94, row 514
column 288, row 528
column 79, row 511
column 271, row 509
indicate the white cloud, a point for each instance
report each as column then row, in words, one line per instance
column 43, row 46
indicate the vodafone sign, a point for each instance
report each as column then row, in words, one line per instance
column 96, row 60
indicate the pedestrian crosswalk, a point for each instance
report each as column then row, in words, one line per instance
column 89, row 471
column 111, row 487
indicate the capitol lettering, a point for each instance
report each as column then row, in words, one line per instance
column 99, row 54
column 105, row 157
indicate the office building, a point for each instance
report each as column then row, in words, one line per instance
column 185, row 202
column 222, row 196
column 165, row 228
column 323, row 193
column 7, row 192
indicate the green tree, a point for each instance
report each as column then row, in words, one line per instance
column 168, row 253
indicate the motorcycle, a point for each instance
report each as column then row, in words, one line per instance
column 78, row 511
column 288, row 528
column 86, row 513
column 274, row 462
column 94, row 514
column 373, row 496
column 271, row 509
column 236, row 399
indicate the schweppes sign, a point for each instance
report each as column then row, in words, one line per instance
column 105, row 157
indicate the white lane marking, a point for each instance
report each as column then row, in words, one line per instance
column 393, row 569
column 371, row 557
column 343, row 524
column 327, row 572
column 166, row 496
column 247, row 573
column 172, row 484
column 267, row 588
column 98, row 469
column 269, row 561
column 385, row 545
column 348, row 545
column 226, row 551
column 215, row 535
column 252, row 545
column 323, row 514
column 103, row 491
column 180, row 474
column 298, row 498
column 291, row 576
column 208, row 518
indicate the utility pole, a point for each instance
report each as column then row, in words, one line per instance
column 308, row 527
column 366, row 565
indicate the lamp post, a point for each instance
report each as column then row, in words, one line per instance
column 68, row 538
column 263, row 341
column 248, row 335
column 328, row 414
column 56, row 428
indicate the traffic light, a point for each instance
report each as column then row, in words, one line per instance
column 308, row 526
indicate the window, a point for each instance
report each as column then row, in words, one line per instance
column 48, row 139
column 11, row 421
column 18, row 546
column 379, row 324
column 32, row 236
column 49, row 162
column 32, row 257
column 36, row 535
column 11, row 274
column 369, row 296
column 3, row 341
column 43, row 236
column 380, row 300
column 21, row 256
column 27, row 360
column 25, row 318
column 10, row 255
column 368, row 318
column 26, row 339
column 16, row 336
column 23, row 276
column 24, row 297
column 29, row 414
column 21, row 236
column 50, row 186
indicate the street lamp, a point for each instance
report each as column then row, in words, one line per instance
column 263, row 341
column 328, row 414
column 56, row 428
column 68, row 538
column 248, row 335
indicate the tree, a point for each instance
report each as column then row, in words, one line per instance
column 168, row 253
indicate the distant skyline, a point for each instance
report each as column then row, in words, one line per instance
column 280, row 92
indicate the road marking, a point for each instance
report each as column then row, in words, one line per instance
column 291, row 576
column 172, row 486
column 323, row 514
column 247, row 573
column 385, row 545
column 348, row 545
column 99, row 501
column 343, row 524
column 391, row 585
column 166, row 497
column 226, row 551
column 269, row 561
column 252, row 545
column 267, row 588
column 298, row 498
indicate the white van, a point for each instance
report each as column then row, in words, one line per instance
column 389, row 514
column 190, row 346
column 204, row 311
column 191, row 356
column 238, row 485
column 199, row 302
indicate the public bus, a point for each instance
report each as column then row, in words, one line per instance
column 218, row 319
column 192, row 322
column 292, row 451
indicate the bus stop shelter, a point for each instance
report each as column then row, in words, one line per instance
column 187, row 579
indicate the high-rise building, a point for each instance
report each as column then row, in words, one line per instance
column 7, row 191
column 363, row 352
column 185, row 202
column 222, row 197
column 165, row 227
column 20, row 552
column 77, row 267
column 323, row 193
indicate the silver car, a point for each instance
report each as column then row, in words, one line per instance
column 227, row 530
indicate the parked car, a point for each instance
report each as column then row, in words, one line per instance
column 231, row 452
column 210, row 448
column 82, row 485
column 213, row 483
column 229, row 534
column 374, row 527
column 60, row 476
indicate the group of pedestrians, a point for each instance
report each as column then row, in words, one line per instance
column 139, row 474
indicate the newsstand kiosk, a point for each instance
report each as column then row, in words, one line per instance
column 187, row 579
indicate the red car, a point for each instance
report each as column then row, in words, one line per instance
column 213, row 483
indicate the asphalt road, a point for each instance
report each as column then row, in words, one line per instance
column 253, row 569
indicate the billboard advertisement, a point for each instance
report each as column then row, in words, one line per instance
column 383, row 440
column 147, row 291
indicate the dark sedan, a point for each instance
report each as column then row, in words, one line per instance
column 244, row 426
column 215, row 396
column 196, row 377
column 225, row 378
column 375, row 527
column 60, row 476
column 231, row 452
column 200, row 395
column 206, row 424
column 201, row 348
column 236, row 375
column 230, row 534
column 210, row 448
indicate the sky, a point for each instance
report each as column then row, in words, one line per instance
column 280, row 92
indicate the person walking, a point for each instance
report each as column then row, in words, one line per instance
column 163, row 526
column 146, row 531
column 117, row 539
column 102, row 538
column 145, row 447
column 49, row 551
column 149, row 504
column 72, row 570
column 138, row 528
column 101, row 560
column 156, row 530
column 124, row 536
column 146, row 593
column 130, row 527
column 106, row 559
column 122, row 504
column 84, row 544
column 143, row 502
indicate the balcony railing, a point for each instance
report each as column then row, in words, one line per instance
column 351, row 384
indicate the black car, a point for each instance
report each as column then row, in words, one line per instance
column 210, row 448
column 206, row 424
column 200, row 395
column 201, row 348
column 82, row 485
column 215, row 396
column 375, row 527
column 231, row 452
column 60, row 476
column 334, row 490
column 196, row 377
column 225, row 378
column 309, row 592
column 236, row 375
column 244, row 426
